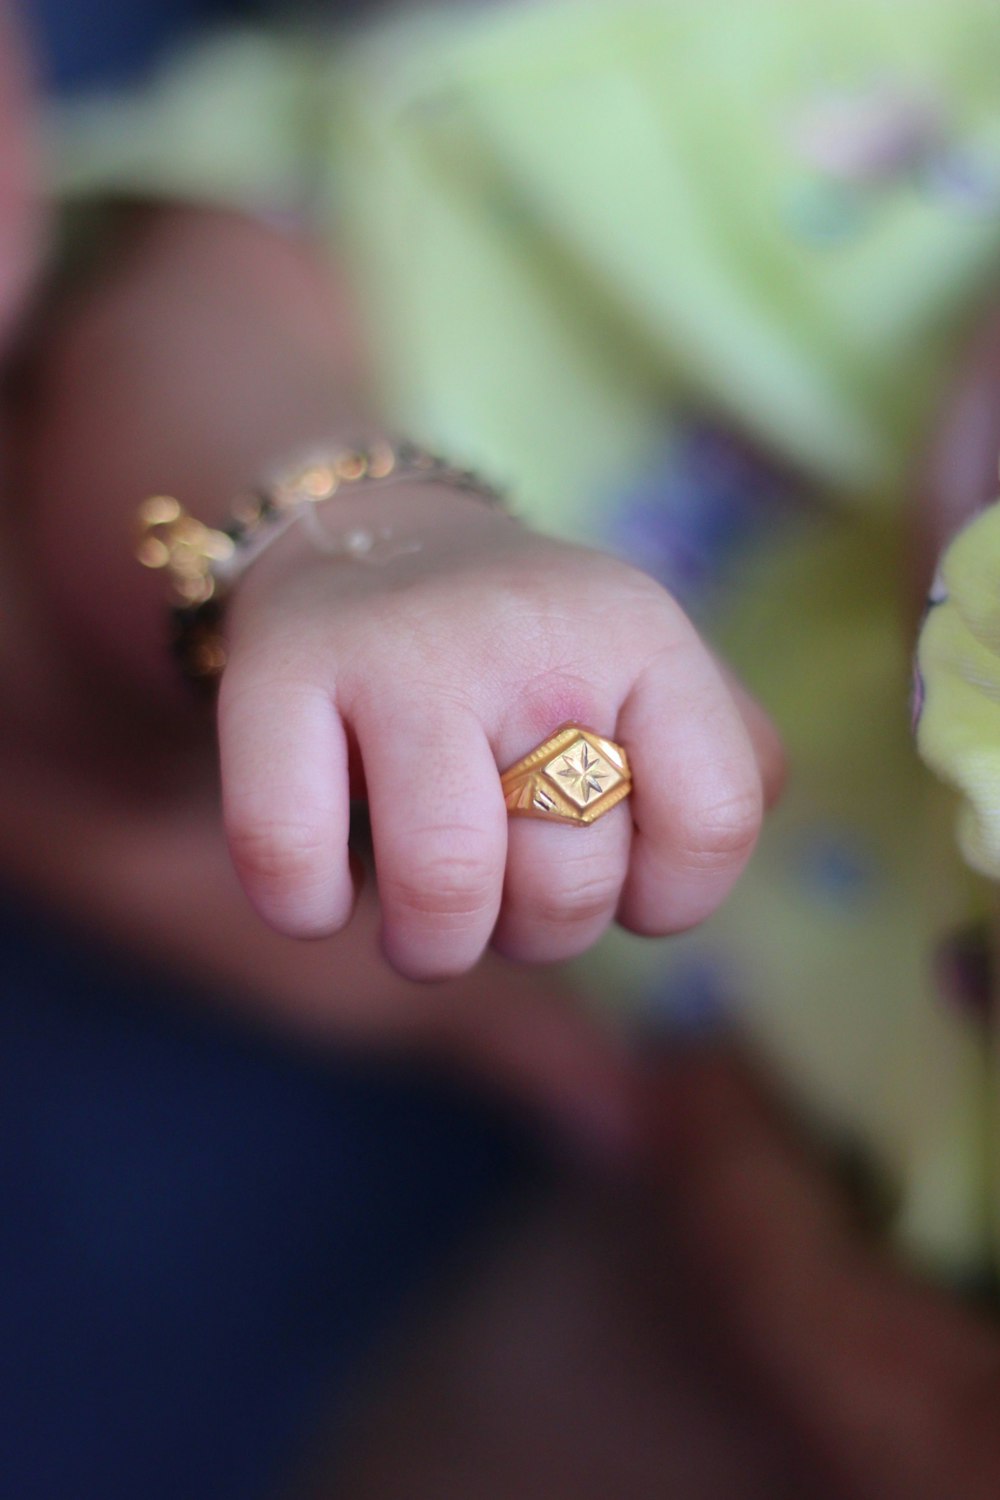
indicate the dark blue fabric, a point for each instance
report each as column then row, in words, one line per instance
column 85, row 44
column 201, row 1234
column 108, row 42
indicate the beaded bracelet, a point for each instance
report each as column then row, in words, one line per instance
column 204, row 563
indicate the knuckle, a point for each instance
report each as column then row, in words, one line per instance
column 447, row 888
column 580, row 900
column 723, row 830
column 270, row 852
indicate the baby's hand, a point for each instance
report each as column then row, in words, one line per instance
column 415, row 680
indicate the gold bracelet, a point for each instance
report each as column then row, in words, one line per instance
column 203, row 563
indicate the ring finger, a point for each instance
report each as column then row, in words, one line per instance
column 563, row 881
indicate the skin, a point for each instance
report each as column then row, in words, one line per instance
column 217, row 345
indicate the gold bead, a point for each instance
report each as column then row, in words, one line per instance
column 381, row 460
column 187, row 532
column 153, row 553
column 217, row 546
column 351, row 466
column 191, row 590
column 318, row 482
column 247, row 509
column 209, row 657
column 187, row 560
column 159, row 510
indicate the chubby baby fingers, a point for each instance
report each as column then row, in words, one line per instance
column 285, row 799
column 698, row 789
column 439, row 833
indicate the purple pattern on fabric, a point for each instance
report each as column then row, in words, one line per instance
column 967, row 182
column 862, row 147
column 709, row 499
column 693, row 1002
column 873, row 134
column 838, row 867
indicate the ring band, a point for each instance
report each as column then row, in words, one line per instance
column 575, row 776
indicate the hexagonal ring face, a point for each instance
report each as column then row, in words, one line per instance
column 575, row 776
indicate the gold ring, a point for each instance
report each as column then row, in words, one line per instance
column 575, row 776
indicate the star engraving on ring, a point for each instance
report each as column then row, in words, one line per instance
column 575, row 776
column 581, row 773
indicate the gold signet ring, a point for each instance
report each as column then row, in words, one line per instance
column 576, row 776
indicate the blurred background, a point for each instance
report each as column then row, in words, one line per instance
column 748, row 257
